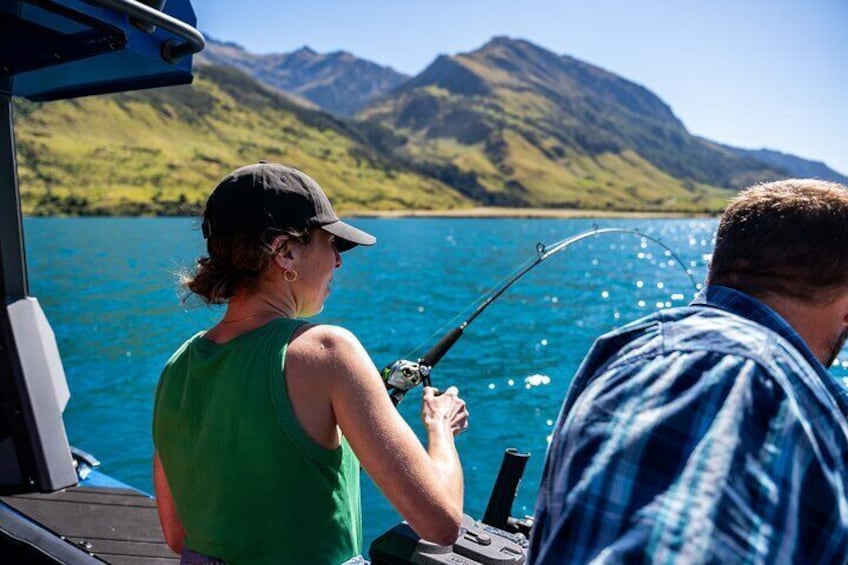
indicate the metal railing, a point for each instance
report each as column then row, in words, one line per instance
column 172, row 50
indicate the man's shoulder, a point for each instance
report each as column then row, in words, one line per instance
column 693, row 329
column 705, row 327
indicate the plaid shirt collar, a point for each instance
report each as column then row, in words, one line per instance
column 744, row 305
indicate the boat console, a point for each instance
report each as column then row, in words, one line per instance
column 497, row 539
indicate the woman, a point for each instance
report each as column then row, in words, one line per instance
column 261, row 422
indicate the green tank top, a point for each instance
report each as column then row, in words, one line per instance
column 249, row 485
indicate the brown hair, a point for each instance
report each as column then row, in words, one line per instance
column 788, row 237
column 235, row 262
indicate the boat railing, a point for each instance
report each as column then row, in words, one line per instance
column 172, row 51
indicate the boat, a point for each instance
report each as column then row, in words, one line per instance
column 55, row 505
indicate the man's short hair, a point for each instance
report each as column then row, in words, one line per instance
column 788, row 238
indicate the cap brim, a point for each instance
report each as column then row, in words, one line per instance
column 348, row 236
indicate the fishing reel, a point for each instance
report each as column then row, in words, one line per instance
column 402, row 376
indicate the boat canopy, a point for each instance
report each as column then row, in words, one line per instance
column 50, row 50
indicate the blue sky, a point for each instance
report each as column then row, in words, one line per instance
column 750, row 73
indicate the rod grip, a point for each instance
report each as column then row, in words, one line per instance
column 438, row 351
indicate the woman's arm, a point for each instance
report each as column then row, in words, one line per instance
column 171, row 525
column 426, row 486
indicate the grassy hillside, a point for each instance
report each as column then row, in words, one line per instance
column 526, row 127
column 161, row 151
column 513, row 163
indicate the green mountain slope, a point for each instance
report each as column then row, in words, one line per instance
column 161, row 151
column 525, row 127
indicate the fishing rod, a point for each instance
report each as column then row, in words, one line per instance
column 403, row 375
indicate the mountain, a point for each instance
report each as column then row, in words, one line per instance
column 795, row 166
column 161, row 151
column 337, row 82
column 523, row 126
column 510, row 124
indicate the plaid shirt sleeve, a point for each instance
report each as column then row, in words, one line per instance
column 691, row 456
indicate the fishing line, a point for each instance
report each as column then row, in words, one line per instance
column 403, row 375
column 482, row 296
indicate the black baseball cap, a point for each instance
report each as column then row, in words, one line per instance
column 269, row 195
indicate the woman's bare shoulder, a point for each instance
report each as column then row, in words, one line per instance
column 327, row 349
column 322, row 336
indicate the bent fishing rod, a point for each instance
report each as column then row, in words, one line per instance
column 403, row 375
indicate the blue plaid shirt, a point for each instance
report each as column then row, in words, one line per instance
column 704, row 434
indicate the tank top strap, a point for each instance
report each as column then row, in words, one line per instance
column 282, row 403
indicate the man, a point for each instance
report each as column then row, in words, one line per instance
column 714, row 433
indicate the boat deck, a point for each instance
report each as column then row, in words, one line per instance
column 115, row 525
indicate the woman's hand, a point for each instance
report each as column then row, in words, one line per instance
column 448, row 408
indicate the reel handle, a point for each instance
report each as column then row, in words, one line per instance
column 396, row 395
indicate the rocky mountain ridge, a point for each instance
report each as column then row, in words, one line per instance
column 512, row 123
column 337, row 82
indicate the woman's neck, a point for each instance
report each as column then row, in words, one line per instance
column 248, row 312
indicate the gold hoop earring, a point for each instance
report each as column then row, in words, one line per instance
column 293, row 275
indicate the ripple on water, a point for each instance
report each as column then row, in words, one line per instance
column 537, row 380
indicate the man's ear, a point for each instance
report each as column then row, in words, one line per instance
column 840, row 303
column 286, row 252
column 845, row 311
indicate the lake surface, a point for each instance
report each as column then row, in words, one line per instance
column 108, row 287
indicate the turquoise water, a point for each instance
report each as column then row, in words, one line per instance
column 108, row 287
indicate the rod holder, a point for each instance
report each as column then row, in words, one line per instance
column 499, row 509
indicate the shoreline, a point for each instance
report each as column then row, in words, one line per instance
column 494, row 212
column 458, row 213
